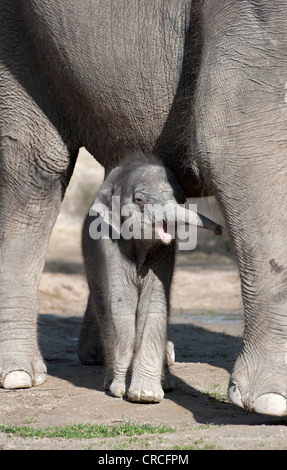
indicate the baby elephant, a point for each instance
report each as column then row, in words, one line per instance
column 129, row 252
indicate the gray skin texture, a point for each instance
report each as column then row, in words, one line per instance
column 198, row 83
column 125, row 323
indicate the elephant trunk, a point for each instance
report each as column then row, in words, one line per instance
column 203, row 222
column 187, row 216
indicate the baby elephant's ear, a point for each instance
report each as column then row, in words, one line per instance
column 105, row 192
column 102, row 206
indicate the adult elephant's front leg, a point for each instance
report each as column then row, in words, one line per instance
column 253, row 197
column 30, row 200
column 241, row 140
column 259, row 379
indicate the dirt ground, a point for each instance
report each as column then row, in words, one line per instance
column 206, row 327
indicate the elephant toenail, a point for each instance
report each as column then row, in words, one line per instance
column 272, row 404
column 17, row 379
column 235, row 395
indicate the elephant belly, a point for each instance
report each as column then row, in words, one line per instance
column 117, row 66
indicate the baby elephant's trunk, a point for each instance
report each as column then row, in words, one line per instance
column 204, row 222
column 190, row 217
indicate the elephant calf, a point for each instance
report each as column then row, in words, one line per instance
column 129, row 276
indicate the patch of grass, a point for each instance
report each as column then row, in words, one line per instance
column 209, row 426
column 187, row 354
column 86, row 431
column 196, row 446
column 210, row 312
column 213, row 393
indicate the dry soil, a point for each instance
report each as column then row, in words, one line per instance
column 206, row 327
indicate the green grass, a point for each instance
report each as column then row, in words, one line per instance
column 213, row 393
column 197, row 446
column 86, row 431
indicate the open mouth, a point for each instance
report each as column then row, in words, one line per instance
column 163, row 234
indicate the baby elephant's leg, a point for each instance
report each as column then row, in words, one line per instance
column 111, row 310
column 151, row 343
column 118, row 335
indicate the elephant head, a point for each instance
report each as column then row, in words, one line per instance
column 142, row 199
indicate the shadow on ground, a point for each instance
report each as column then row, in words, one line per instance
column 203, row 358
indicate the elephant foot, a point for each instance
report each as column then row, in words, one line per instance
column 268, row 403
column 170, row 355
column 26, row 375
column 167, row 380
column 116, row 386
column 90, row 353
column 261, row 389
column 145, row 392
column 21, row 379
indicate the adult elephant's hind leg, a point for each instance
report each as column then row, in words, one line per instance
column 31, row 192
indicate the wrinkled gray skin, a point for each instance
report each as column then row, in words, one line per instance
column 125, row 323
column 199, row 83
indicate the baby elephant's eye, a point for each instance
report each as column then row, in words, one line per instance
column 139, row 200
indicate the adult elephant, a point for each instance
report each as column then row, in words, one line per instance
column 199, row 83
